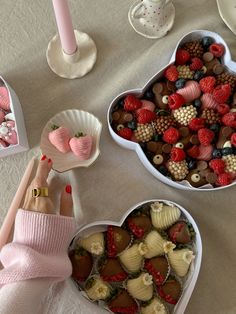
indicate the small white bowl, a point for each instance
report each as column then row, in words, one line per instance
column 76, row 121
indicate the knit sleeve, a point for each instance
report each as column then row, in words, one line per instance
column 39, row 248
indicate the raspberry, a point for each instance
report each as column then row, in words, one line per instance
column 177, row 154
column 126, row 133
column 233, row 139
column 196, row 124
column 229, row 119
column 205, row 136
column 171, row 135
column 132, row 103
column 196, row 64
column 222, row 109
column 193, row 151
column 217, row 165
column 145, row 116
column 221, row 93
column 207, row 84
column 175, row 101
column 217, row 50
column 224, row 179
column 182, row 57
column 171, row 73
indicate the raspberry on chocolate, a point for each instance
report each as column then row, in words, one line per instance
column 224, row 179
column 177, row 154
column 175, row 101
column 217, row 50
column 126, row 133
column 182, row 57
column 171, row 135
column 233, row 139
column 217, row 165
column 196, row 124
column 205, row 136
column 132, row 103
column 171, row 73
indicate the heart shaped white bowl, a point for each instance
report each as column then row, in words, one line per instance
column 76, row 121
column 16, row 115
column 192, row 276
column 184, row 185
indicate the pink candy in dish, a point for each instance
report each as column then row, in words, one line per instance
column 188, row 139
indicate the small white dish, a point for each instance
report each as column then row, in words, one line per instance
column 227, row 10
column 76, row 121
column 155, row 32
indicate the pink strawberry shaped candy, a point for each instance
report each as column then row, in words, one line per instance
column 81, row 145
column 4, row 99
column 8, row 133
column 59, row 138
column 2, row 116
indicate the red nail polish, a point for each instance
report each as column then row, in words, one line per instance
column 43, row 157
column 49, row 160
column 68, row 189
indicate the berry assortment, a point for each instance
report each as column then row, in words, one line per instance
column 186, row 121
column 142, row 264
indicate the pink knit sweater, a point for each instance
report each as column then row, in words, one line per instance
column 38, row 251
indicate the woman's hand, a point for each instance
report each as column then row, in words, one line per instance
column 44, row 204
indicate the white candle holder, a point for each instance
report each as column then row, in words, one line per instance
column 76, row 65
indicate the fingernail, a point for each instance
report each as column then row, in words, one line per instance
column 49, row 160
column 68, row 189
column 43, row 157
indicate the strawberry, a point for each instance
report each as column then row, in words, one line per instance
column 229, row 119
column 145, row 116
column 126, row 133
column 175, row 101
column 196, row 64
column 132, row 103
column 82, row 264
column 81, row 145
column 110, row 270
column 180, row 233
column 233, row 139
column 221, row 93
column 171, row 135
column 170, row 291
column 171, row 73
column 205, row 136
column 207, row 84
column 139, row 225
column 222, row 109
column 158, row 268
column 59, row 138
column 2, row 116
column 123, row 303
column 182, row 57
column 193, row 151
column 217, row 165
column 4, row 99
column 117, row 240
column 217, row 50
column 196, row 124
column 224, row 179
column 8, row 133
column 177, row 154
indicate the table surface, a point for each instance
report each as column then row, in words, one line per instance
column 125, row 60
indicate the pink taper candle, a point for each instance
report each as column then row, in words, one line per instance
column 65, row 27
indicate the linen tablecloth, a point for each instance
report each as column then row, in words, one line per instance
column 117, row 180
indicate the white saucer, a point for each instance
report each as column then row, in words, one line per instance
column 227, row 10
column 152, row 33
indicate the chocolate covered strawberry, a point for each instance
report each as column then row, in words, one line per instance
column 81, row 145
column 139, row 225
column 158, row 267
column 82, row 264
column 8, row 133
column 117, row 240
column 123, row 303
column 59, row 138
column 181, row 232
column 111, row 270
column 170, row 291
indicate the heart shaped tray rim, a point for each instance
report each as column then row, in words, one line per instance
column 138, row 92
column 101, row 226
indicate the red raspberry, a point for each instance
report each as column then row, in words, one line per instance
column 229, row 119
column 171, row 135
column 177, row 154
column 182, row 57
column 217, row 50
column 193, row 151
column 196, row 124
column 175, row 101
column 171, row 73
column 145, row 116
column 233, row 139
column 221, row 93
column 217, row 165
column 126, row 133
column 196, row 64
column 222, row 109
column 132, row 103
column 207, row 84
column 205, row 136
column 224, row 179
